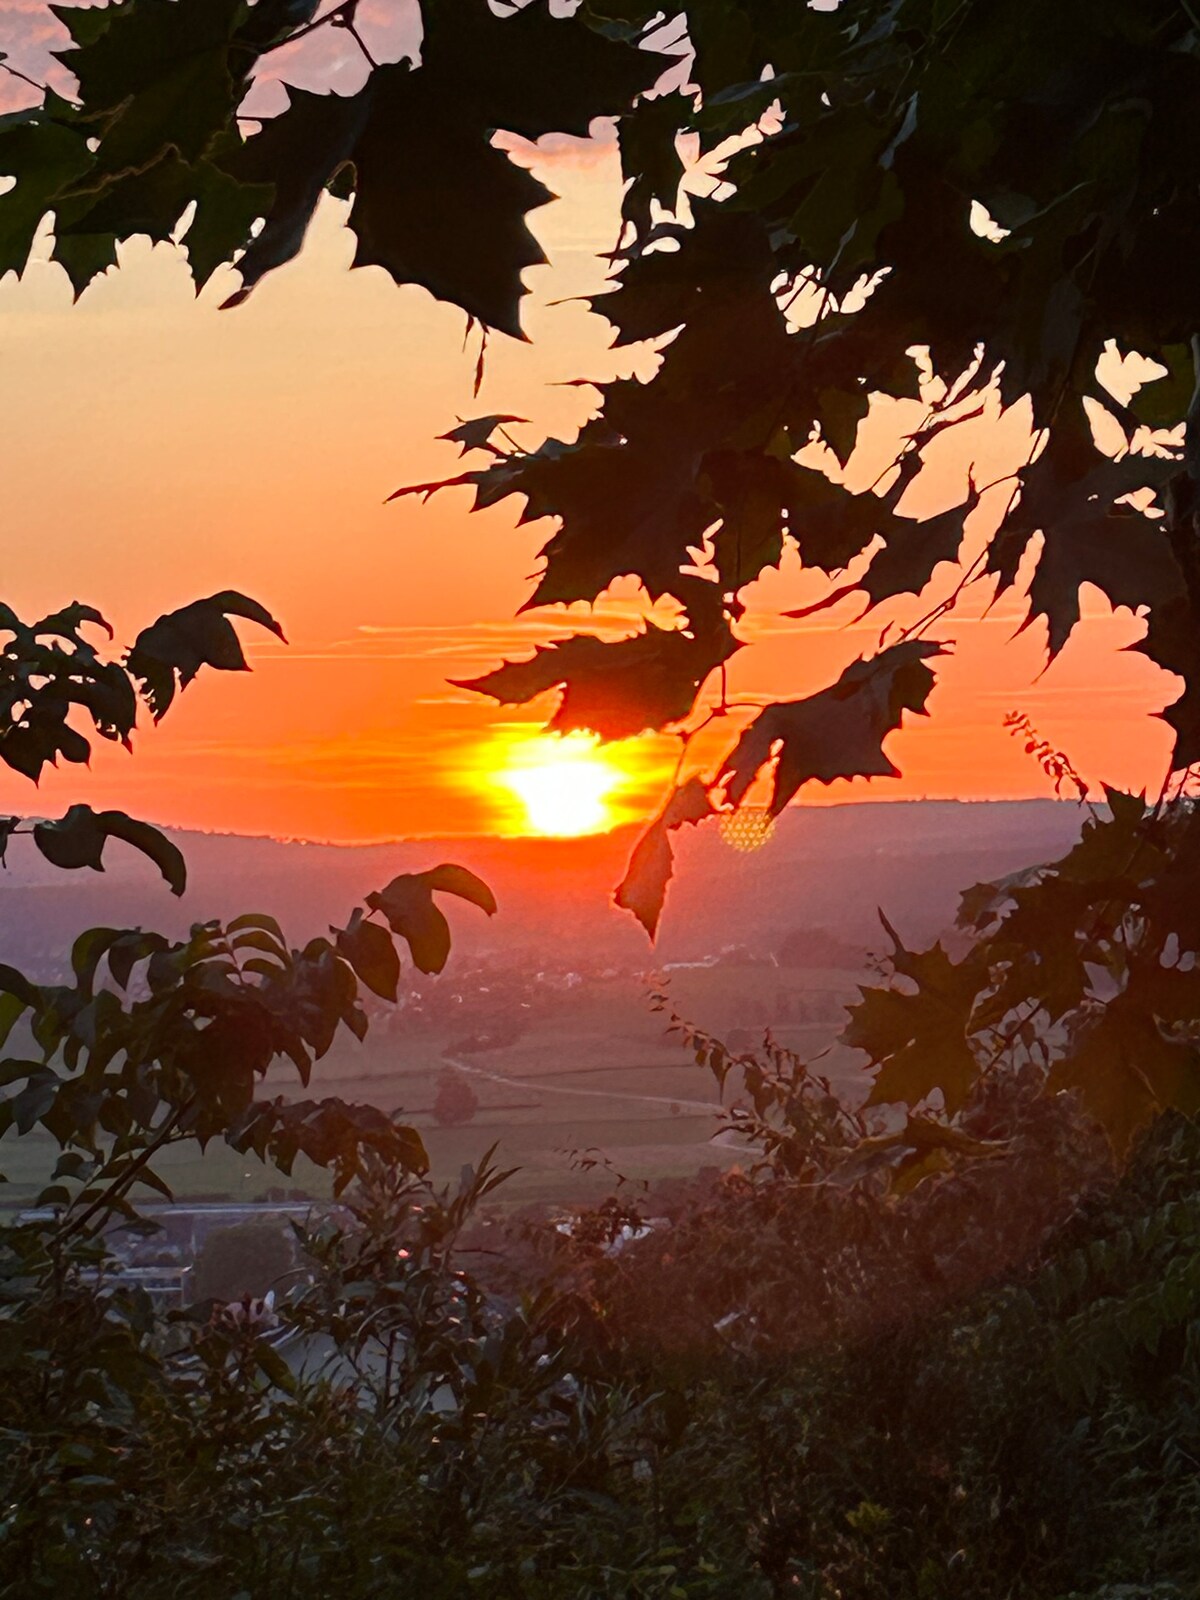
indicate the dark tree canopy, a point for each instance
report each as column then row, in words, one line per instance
column 865, row 141
column 932, row 200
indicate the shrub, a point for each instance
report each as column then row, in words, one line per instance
column 455, row 1102
column 249, row 1258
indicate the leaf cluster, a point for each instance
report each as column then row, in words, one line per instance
column 861, row 147
column 1084, row 969
column 51, row 672
column 155, row 133
column 158, row 1042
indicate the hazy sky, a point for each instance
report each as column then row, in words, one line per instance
column 155, row 449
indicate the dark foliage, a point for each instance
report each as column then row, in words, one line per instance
column 803, row 1382
column 939, row 1349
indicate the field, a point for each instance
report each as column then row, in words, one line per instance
column 594, row 1078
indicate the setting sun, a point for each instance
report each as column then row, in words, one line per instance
column 564, row 785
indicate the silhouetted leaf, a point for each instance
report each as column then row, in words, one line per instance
column 159, row 72
column 170, row 652
column 1072, row 495
column 650, row 163
column 451, row 215
column 476, row 434
column 435, row 203
column 643, row 890
column 1126, row 1071
column 297, row 154
column 616, row 689
column 45, row 152
column 370, row 951
column 919, row 1040
column 451, row 879
column 914, row 550
column 838, row 733
column 78, row 840
column 407, row 906
column 1163, row 402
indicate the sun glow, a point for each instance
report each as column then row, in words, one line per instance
column 564, row 786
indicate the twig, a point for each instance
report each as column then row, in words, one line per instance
column 15, row 72
column 338, row 12
column 117, row 1191
column 358, row 39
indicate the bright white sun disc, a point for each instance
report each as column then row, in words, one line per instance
column 563, row 785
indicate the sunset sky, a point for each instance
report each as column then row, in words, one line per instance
column 155, row 449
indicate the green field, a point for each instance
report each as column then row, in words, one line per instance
column 596, row 1073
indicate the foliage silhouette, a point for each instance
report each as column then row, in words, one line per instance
column 669, row 1419
column 945, row 205
column 940, row 207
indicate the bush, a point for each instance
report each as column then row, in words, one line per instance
column 249, row 1258
column 455, row 1102
column 986, row 1386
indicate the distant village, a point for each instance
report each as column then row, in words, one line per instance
column 496, row 998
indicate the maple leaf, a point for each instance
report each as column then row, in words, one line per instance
column 1072, row 495
column 1125, row 554
column 837, row 733
column 450, row 213
column 625, row 508
column 832, row 525
column 530, row 72
column 651, row 166
column 1038, row 951
column 615, row 689
column 154, row 75
column 919, row 1040
column 1111, row 848
column 151, row 203
column 1162, row 402
column 435, row 202
column 762, row 497
column 476, row 432
column 297, row 153
column 45, row 151
column 159, row 82
column 1126, row 1071
column 751, row 492
column 914, row 550
column 638, row 490
column 643, row 890
column 1173, row 641
column 1173, row 900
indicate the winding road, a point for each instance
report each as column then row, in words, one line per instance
column 709, row 1107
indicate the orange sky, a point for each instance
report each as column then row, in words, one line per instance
column 155, row 449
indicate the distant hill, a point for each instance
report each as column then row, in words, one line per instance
column 826, row 867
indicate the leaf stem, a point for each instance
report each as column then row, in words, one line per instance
column 358, row 39
column 1191, row 436
column 15, row 72
column 122, row 1186
column 339, row 11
